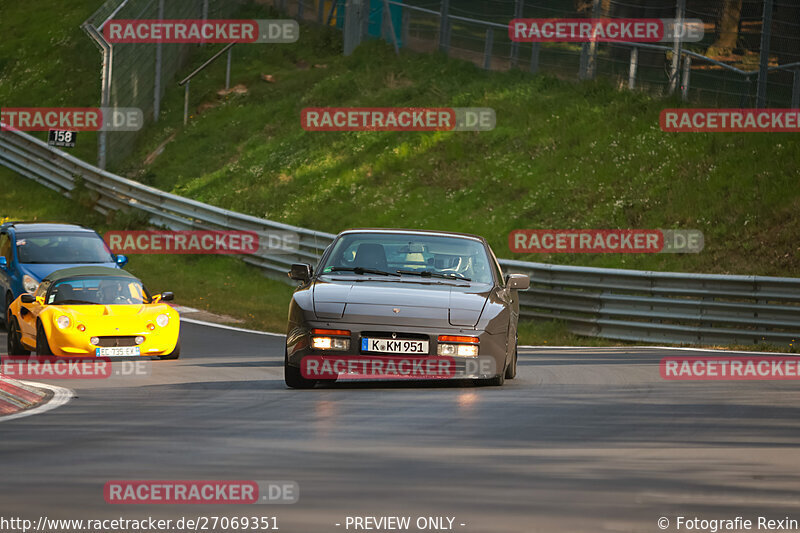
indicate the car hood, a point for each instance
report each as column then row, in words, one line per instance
column 408, row 302
column 42, row 270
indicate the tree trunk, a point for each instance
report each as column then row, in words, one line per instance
column 728, row 29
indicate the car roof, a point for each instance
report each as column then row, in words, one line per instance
column 44, row 227
column 74, row 272
column 415, row 232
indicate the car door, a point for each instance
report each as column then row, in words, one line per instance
column 510, row 299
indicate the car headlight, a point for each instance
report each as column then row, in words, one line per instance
column 29, row 284
column 330, row 339
column 63, row 321
column 162, row 320
column 465, row 347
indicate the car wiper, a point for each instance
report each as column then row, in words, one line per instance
column 429, row 274
column 361, row 270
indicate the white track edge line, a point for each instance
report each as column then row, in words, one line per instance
column 231, row 328
column 61, row 396
column 713, row 350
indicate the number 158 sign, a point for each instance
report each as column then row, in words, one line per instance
column 62, row 138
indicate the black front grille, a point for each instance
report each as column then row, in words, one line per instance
column 112, row 342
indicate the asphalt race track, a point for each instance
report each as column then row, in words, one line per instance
column 583, row 440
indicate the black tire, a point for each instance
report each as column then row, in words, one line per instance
column 511, row 370
column 13, row 343
column 7, row 299
column 294, row 378
column 174, row 354
column 42, row 346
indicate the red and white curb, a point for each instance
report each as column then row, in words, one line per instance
column 24, row 398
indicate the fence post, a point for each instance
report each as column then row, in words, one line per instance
column 633, row 68
column 321, row 11
column 746, row 93
column 584, row 61
column 763, row 62
column 514, row 44
column 591, row 57
column 228, row 69
column 353, row 25
column 300, row 9
column 186, row 103
column 680, row 12
column 534, row 58
column 687, row 69
column 406, row 25
column 487, row 49
column 387, row 16
column 796, row 89
column 157, row 79
column 444, row 27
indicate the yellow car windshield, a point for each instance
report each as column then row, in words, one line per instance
column 97, row 291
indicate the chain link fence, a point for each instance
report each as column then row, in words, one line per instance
column 135, row 74
column 721, row 70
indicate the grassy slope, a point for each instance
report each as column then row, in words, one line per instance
column 562, row 156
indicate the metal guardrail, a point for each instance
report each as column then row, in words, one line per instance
column 610, row 303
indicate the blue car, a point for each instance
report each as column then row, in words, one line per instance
column 31, row 251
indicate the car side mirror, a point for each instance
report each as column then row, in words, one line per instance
column 167, row 297
column 27, row 298
column 300, row 272
column 121, row 260
column 3, row 262
column 519, row 282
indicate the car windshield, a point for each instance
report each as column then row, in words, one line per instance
column 102, row 290
column 410, row 255
column 63, row 248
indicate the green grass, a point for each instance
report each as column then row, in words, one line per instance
column 563, row 155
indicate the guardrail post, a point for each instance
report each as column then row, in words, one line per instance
column 591, row 58
column 534, row 58
column 487, row 49
column 444, row 27
column 320, row 11
column 515, row 44
column 680, row 12
column 687, row 69
column 186, row 103
column 796, row 89
column 633, row 68
column 300, row 9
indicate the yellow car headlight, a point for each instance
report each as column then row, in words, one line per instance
column 162, row 320
column 63, row 322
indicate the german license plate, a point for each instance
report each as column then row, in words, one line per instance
column 117, row 351
column 400, row 346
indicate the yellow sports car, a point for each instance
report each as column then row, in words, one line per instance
column 93, row 311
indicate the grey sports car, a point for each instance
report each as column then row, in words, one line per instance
column 383, row 295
